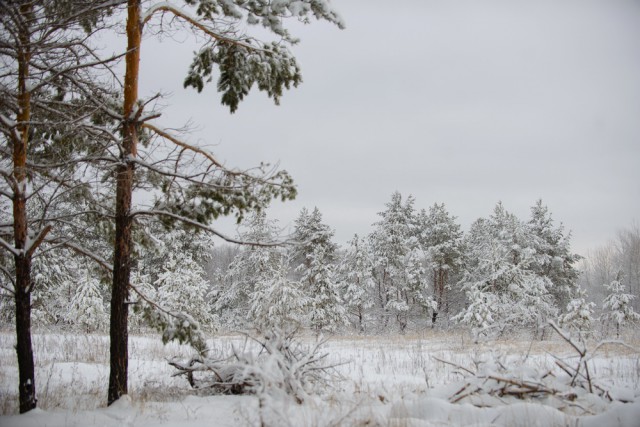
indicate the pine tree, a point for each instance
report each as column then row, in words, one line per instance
column 356, row 280
column 553, row 259
column 400, row 279
column 182, row 288
column 49, row 100
column 186, row 195
column 617, row 307
column 314, row 258
column 234, row 293
column 173, row 267
column 579, row 314
column 87, row 307
column 441, row 239
column 276, row 301
column 501, row 252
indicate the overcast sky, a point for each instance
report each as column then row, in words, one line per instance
column 462, row 102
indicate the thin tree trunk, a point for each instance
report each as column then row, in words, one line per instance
column 119, row 352
column 24, row 348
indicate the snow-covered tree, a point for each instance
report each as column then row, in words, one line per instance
column 277, row 302
column 500, row 254
column 617, row 307
column 235, row 292
column 50, row 96
column 314, row 262
column 193, row 187
column 400, row 279
column 579, row 314
column 87, row 308
column 619, row 256
column 356, row 280
column 553, row 258
column 326, row 308
column 182, row 287
column 310, row 232
column 480, row 312
column 171, row 274
column 441, row 239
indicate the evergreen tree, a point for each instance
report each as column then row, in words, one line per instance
column 314, row 254
column 174, row 268
column 193, row 187
column 399, row 275
column 553, row 258
column 441, row 239
column 579, row 314
column 182, row 288
column 357, row 282
column 87, row 307
column 501, row 252
column 310, row 232
column 617, row 308
column 277, row 301
column 50, row 101
column 236, row 290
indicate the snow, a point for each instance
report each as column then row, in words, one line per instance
column 383, row 380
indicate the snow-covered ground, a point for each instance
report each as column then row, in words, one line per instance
column 389, row 380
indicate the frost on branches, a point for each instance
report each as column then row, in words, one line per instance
column 256, row 291
column 313, row 258
column 579, row 314
column 398, row 271
column 617, row 307
column 244, row 61
column 500, row 269
column 278, row 302
column 169, row 287
column 356, row 280
column 441, row 239
column 275, row 367
column 87, row 307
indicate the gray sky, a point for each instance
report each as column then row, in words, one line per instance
column 461, row 102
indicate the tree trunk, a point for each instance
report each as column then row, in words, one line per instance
column 119, row 352
column 24, row 348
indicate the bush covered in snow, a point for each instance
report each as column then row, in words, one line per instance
column 277, row 364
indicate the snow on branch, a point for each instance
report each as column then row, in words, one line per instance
column 205, row 227
column 184, row 145
column 283, row 366
column 34, row 243
column 174, row 326
column 194, row 21
column 104, row 264
column 11, row 278
column 8, row 246
column 496, row 382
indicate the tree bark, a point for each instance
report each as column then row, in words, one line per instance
column 24, row 348
column 119, row 352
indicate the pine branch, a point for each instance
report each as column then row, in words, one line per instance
column 195, row 22
column 204, row 227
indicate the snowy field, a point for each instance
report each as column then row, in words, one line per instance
column 389, row 380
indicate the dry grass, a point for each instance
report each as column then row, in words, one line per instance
column 72, row 369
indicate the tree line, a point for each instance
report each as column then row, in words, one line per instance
column 415, row 270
